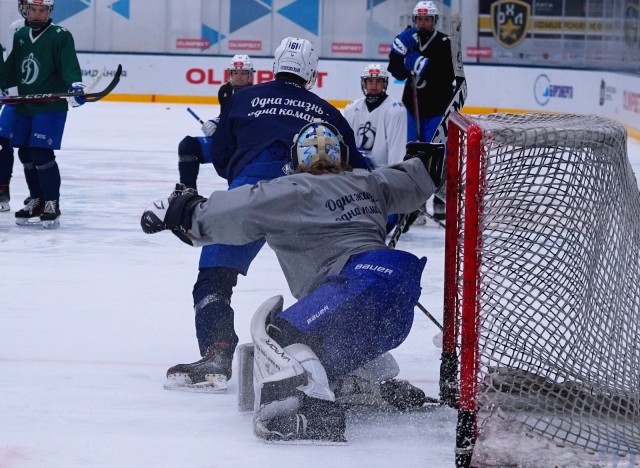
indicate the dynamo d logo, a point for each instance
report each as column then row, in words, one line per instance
column 510, row 21
column 30, row 69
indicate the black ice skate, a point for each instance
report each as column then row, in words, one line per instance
column 50, row 218
column 404, row 396
column 315, row 422
column 4, row 197
column 208, row 375
column 30, row 214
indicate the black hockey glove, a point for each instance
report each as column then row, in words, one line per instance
column 173, row 213
column 431, row 155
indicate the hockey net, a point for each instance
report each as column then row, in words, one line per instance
column 542, row 283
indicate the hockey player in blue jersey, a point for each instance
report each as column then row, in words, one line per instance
column 326, row 224
column 193, row 151
column 252, row 143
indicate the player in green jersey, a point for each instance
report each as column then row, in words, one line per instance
column 43, row 60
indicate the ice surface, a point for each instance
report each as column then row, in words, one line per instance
column 92, row 315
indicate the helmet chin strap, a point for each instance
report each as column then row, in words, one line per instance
column 375, row 98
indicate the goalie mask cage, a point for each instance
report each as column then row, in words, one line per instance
column 542, row 279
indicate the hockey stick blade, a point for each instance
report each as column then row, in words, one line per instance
column 93, row 97
column 51, row 97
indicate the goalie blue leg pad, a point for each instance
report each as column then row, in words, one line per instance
column 355, row 316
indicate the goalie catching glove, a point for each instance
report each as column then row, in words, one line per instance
column 432, row 156
column 174, row 214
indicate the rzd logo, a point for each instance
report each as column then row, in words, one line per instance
column 510, row 21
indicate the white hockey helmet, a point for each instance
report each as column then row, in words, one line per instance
column 315, row 141
column 37, row 25
column 374, row 70
column 298, row 57
column 241, row 63
column 426, row 8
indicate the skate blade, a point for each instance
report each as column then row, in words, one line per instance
column 29, row 222
column 302, row 442
column 4, row 206
column 55, row 224
column 215, row 383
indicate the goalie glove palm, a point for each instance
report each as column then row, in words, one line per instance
column 431, row 155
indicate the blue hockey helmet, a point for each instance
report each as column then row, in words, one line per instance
column 316, row 141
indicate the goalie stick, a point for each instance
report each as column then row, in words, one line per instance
column 50, row 97
column 455, row 105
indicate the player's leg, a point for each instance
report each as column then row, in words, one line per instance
column 192, row 151
column 30, row 213
column 45, row 137
column 219, row 268
column 7, row 115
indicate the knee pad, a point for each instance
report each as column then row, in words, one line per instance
column 24, row 155
column 42, row 158
column 189, row 150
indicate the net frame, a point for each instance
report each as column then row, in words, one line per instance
column 542, row 266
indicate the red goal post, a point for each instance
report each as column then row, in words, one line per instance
column 542, row 273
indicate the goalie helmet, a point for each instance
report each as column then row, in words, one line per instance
column 316, row 141
column 374, row 70
column 426, row 8
column 240, row 63
column 298, row 57
column 39, row 24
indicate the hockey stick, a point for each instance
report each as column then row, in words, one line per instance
column 195, row 116
column 51, row 97
column 416, row 111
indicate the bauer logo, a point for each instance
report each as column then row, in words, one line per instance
column 544, row 90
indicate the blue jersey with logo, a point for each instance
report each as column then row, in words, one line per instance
column 267, row 117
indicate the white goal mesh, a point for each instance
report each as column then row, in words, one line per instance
column 551, row 272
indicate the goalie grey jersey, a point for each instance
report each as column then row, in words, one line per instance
column 314, row 223
column 381, row 134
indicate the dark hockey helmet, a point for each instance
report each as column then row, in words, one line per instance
column 23, row 7
column 315, row 141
